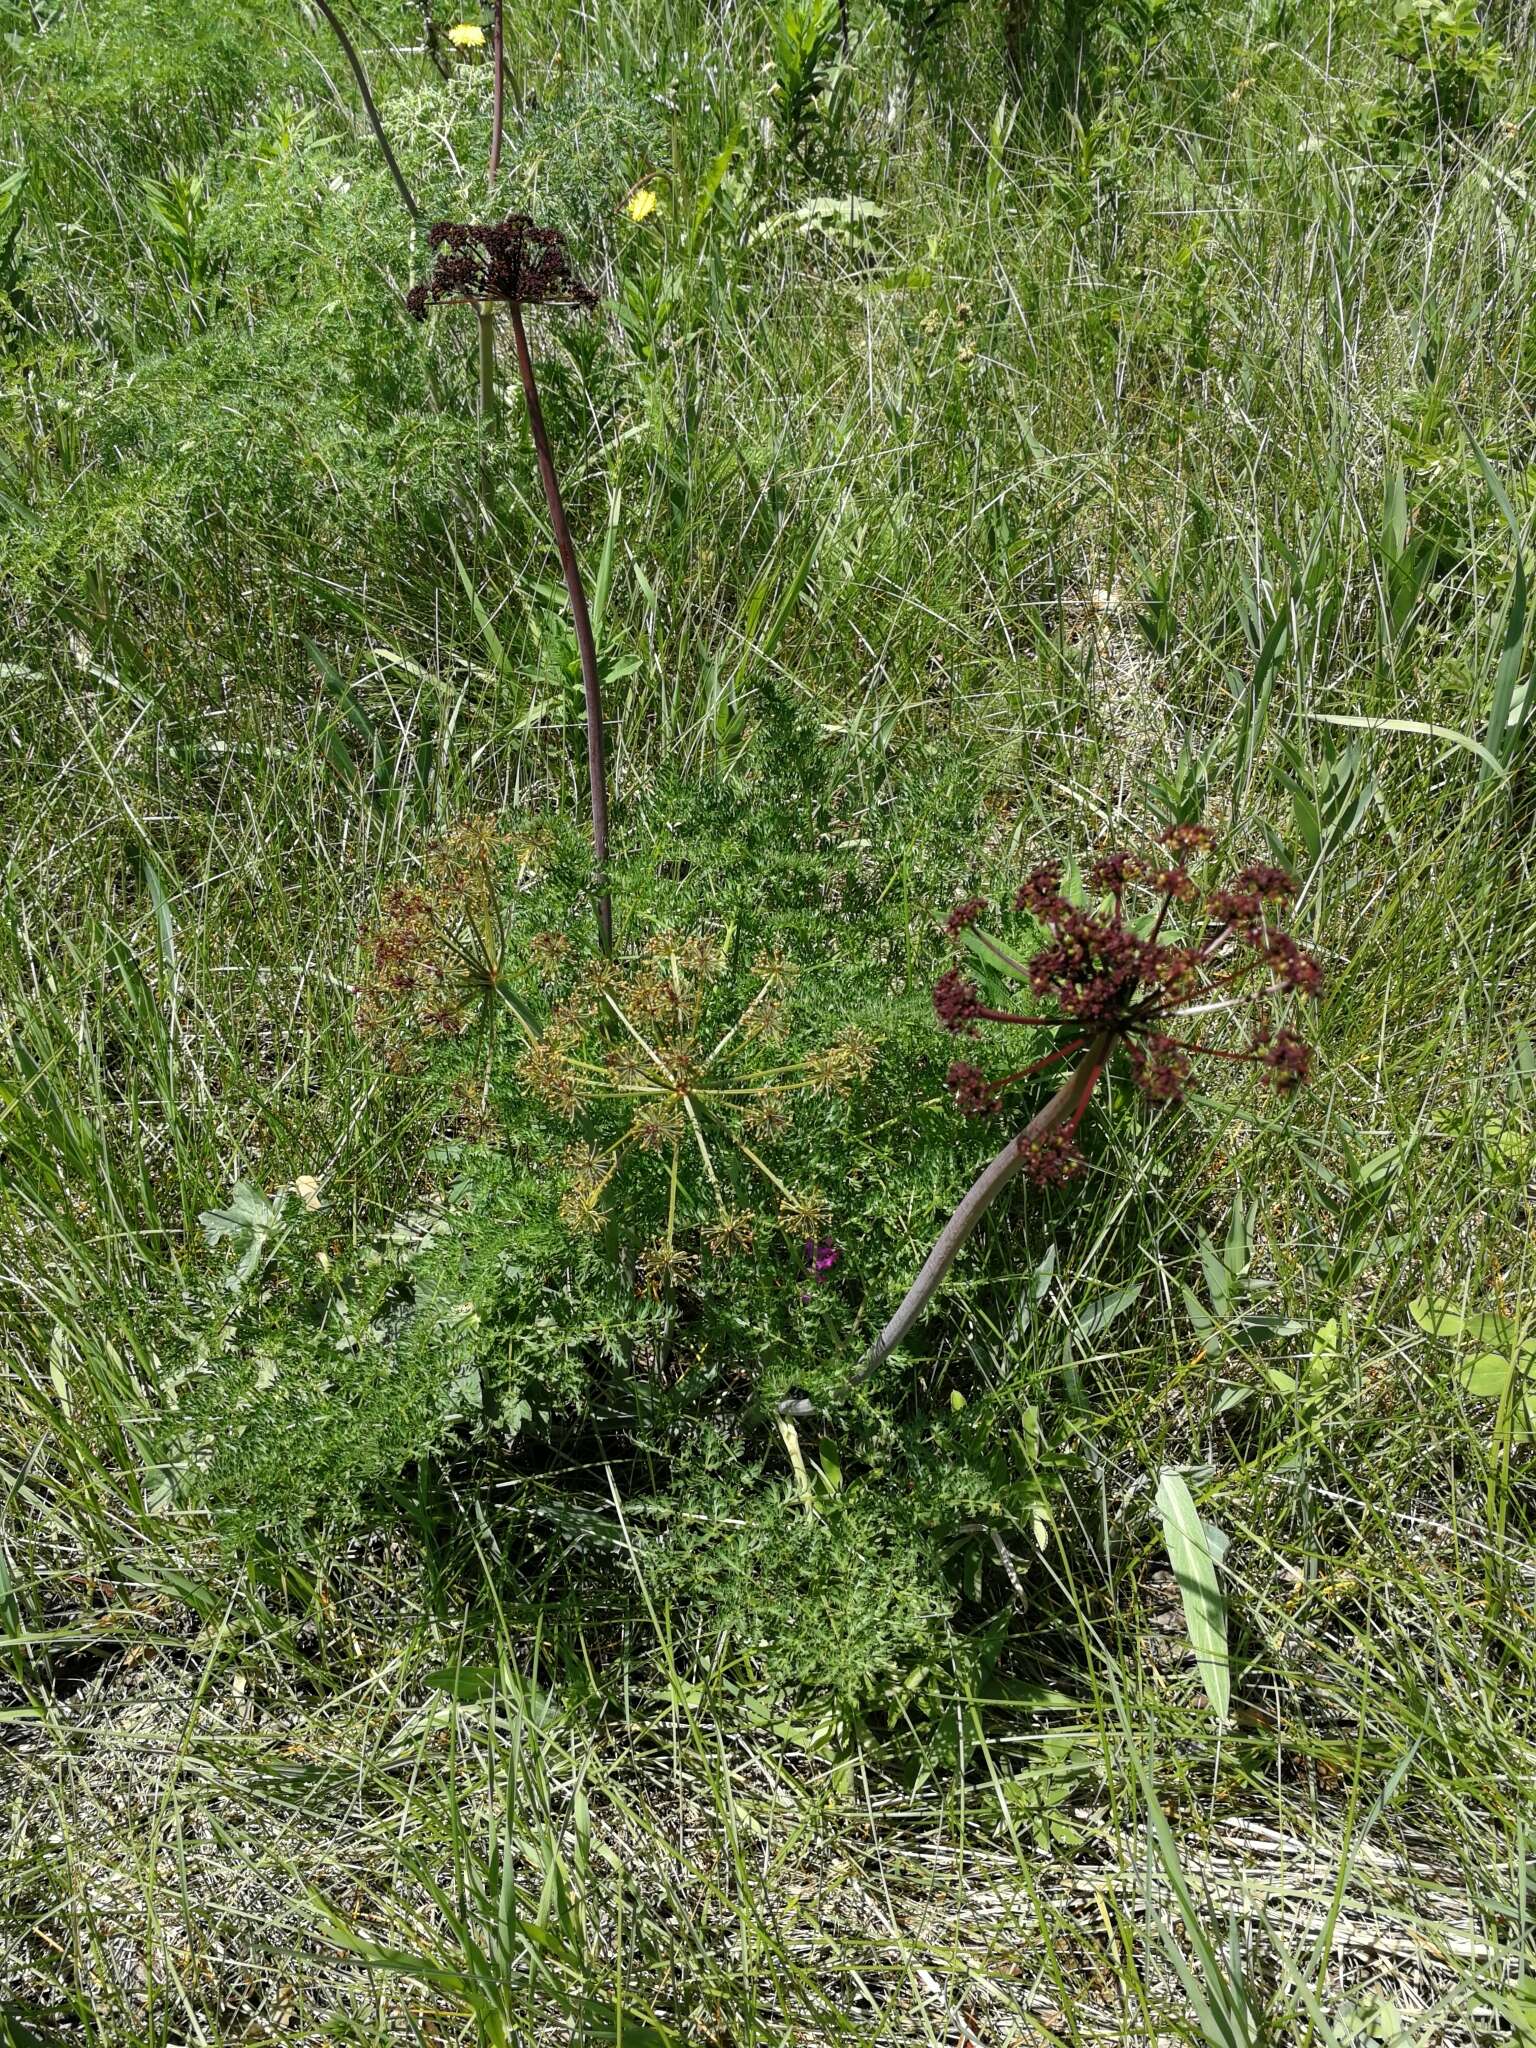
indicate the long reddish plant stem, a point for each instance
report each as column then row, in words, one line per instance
column 355, row 64
column 1065, row 1106
column 597, row 756
column 570, row 567
column 498, row 87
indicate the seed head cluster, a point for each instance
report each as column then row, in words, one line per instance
column 511, row 261
column 669, row 1081
column 407, row 981
column 426, row 954
column 1117, row 973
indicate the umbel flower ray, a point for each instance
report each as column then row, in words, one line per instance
column 1108, row 978
column 515, row 263
column 637, row 1059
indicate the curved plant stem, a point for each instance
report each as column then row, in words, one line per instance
column 978, row 1199
column 349, row 51
column 498, row 87
column 490, row 413
column 1065, row 1106
column 597, row 761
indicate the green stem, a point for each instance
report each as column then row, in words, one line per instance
column 490, row 411
column 672, row 1197
column 766, row 1171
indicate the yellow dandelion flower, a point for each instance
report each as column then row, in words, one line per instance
column 642, row 204
column 467, row 35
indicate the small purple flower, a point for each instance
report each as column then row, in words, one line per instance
column 820, row 1258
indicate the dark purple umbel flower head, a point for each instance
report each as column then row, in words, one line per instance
column 511, row 261
column 1116, row 975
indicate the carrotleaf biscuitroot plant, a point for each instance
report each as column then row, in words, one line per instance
column 675, row 1190
column 1167, row 969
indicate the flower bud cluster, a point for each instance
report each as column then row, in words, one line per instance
column 512, row 261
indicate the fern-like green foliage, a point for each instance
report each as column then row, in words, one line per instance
column 716, row 1155
column 846, row 1602
column 617, row 1269
column 297, row 1405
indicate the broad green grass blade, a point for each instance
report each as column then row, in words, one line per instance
column 1205, row 1607
column 1490, row 760
column 1511, row 661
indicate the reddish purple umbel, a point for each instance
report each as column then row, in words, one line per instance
column 1112, row 976
column 512, row 262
